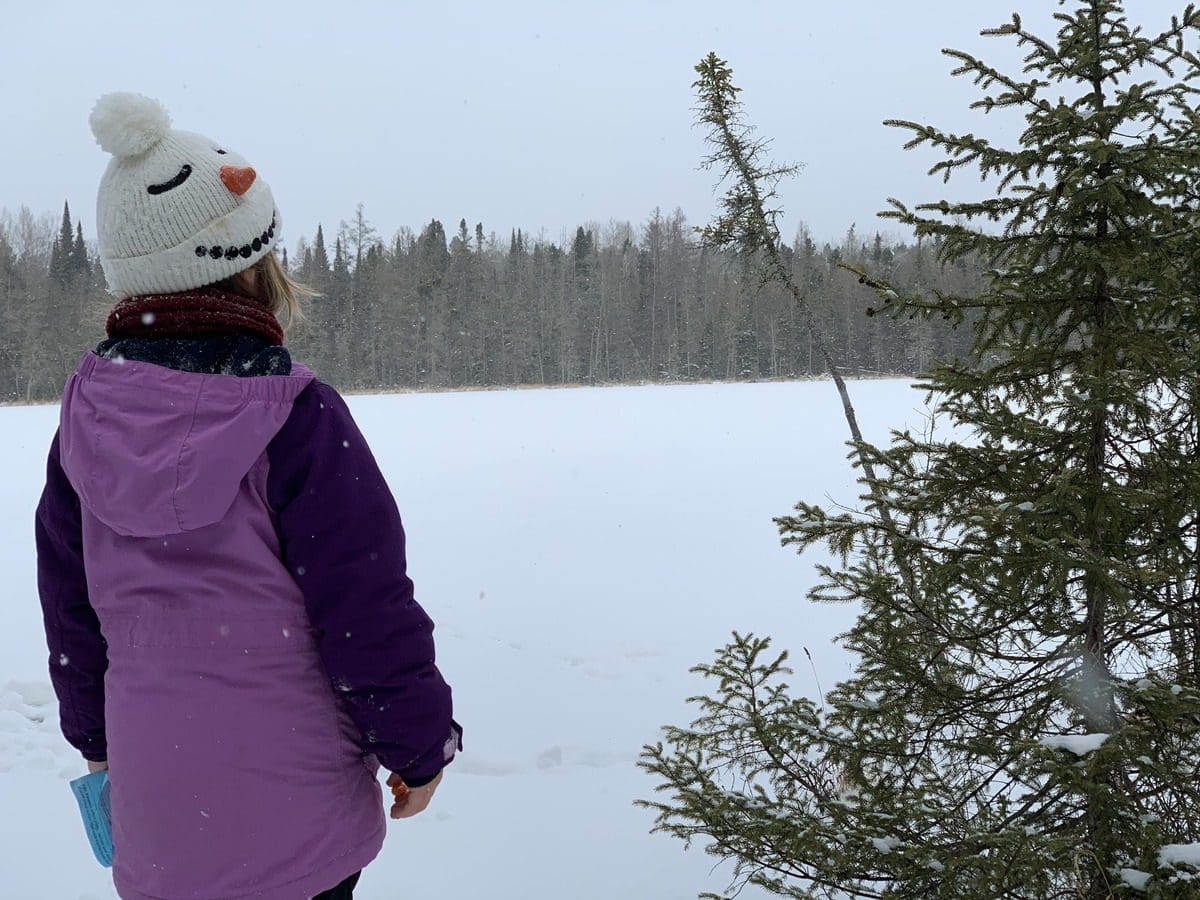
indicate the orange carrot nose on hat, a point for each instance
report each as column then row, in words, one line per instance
column 238, row 178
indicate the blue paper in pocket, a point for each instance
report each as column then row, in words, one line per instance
column 91, row 792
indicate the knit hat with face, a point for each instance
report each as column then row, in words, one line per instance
column 175, row 210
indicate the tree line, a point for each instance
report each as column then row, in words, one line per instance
column 612, row 304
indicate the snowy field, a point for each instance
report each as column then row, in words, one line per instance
column 579, row 550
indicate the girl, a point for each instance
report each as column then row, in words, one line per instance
column 220, row 562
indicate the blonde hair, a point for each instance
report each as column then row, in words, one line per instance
column 274, row 287
column 280, row 291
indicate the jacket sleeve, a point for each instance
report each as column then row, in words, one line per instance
column 342, row 539
column 78, row 652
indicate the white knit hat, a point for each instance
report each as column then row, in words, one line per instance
column 175, row 210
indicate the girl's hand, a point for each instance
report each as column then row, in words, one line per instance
column 410, row 801
column 94, row 767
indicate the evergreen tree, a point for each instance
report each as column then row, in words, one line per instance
column 322, row 332
column 334, row 321
column 80, row 266
column 60, row 252
column 1024, row 718
column 320, row 260
column 341, row 270
column 432, row 261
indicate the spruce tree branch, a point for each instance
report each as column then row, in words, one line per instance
column 750, row 225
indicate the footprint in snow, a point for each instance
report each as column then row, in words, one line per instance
column 471, row 765
column 549, row 760
column 29, row 735
column 557, row 756
column 641, row 655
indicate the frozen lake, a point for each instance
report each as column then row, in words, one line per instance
column 579, row 550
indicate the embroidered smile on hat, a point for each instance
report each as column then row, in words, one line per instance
column 175, row 210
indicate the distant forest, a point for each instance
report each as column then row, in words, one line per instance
column 619, row 303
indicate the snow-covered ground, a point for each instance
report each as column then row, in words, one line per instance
column 579, row 549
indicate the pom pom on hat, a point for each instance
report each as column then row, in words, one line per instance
column 128, row 124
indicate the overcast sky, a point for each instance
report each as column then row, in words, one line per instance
column 539, row 115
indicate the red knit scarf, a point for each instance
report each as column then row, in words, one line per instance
column 203, row 312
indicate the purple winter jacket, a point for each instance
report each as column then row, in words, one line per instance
column 222, row 574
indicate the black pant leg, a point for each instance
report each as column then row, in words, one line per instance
column 344, row 891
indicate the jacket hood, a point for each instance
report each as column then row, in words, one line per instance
column 156, row 451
